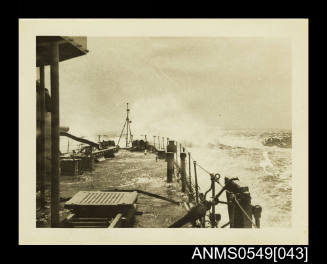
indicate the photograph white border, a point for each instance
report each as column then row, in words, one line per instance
column 294, row 29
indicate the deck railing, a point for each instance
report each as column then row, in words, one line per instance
column 202, row 210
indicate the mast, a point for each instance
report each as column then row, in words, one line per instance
column 128, row 135
column 127, row 127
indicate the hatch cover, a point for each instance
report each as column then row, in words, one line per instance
column 98, row 198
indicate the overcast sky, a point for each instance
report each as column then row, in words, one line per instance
column 216, row 82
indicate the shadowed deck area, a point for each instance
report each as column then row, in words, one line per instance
column 128, row 170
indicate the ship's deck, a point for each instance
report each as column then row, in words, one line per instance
column 128, row 170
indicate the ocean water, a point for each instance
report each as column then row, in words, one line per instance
column 267, row 170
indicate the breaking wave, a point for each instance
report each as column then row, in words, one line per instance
column 267, row 170
column 280, row 139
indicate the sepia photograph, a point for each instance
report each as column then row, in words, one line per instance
column 182, row 131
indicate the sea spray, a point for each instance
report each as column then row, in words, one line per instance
column 170, row 119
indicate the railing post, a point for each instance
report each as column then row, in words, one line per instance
column 237, row 217
column 213, row 209
column 196, row 184
column 171, row 147
column 177, row 153
column 189, row 170
column 183, row 171
column 170, row 166
column 191, row 197
column 256, row 211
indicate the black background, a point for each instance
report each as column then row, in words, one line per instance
column 110, row 9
